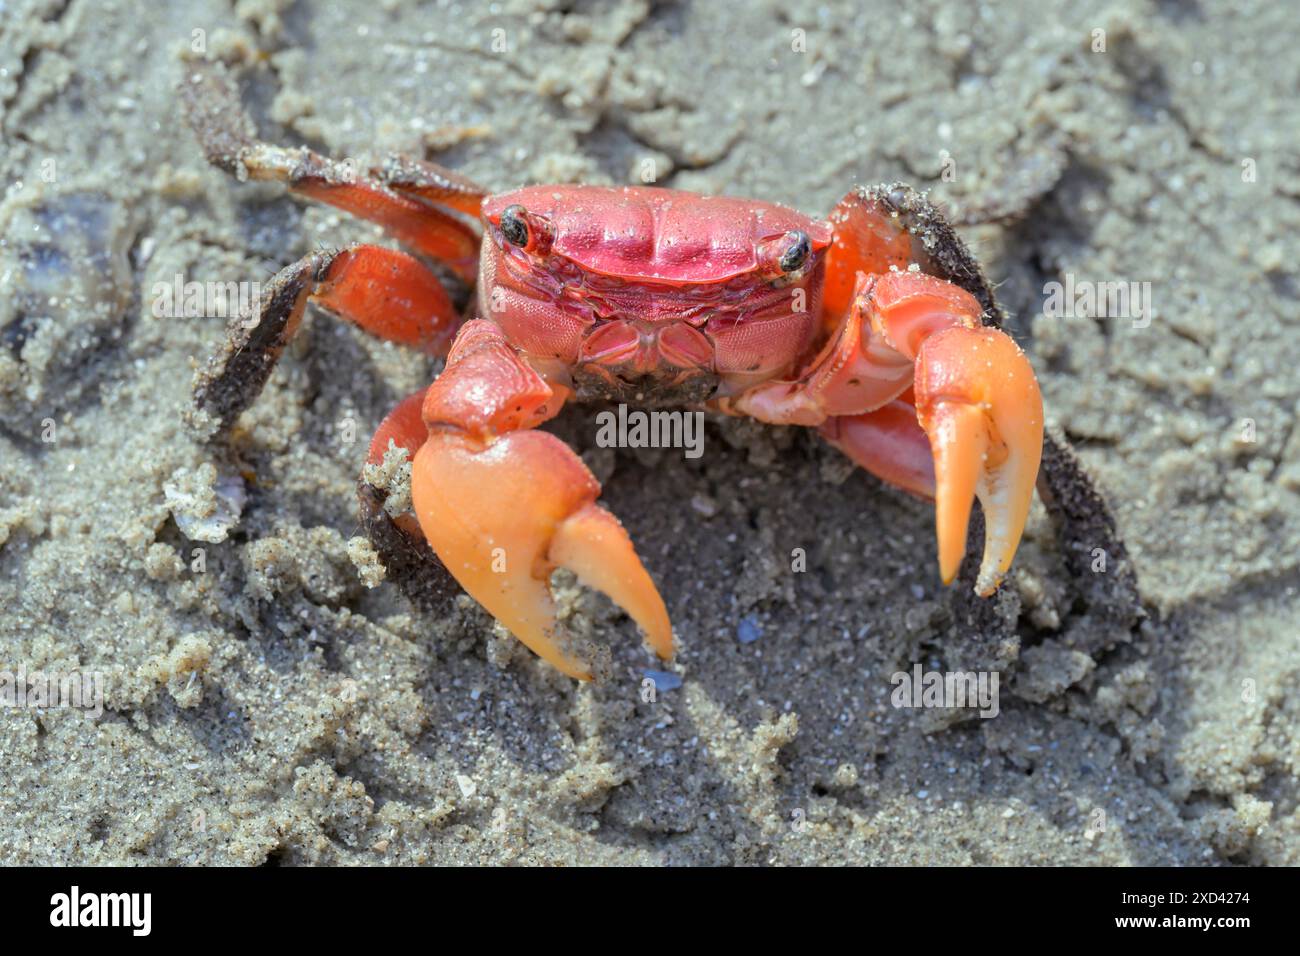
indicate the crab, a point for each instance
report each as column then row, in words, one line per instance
column 862, row 325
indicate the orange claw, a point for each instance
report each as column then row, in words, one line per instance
column 502, row 511
column 978, row 401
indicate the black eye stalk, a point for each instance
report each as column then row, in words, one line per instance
column 793, row 259
column 524, row 230
column 784, row 258
column 514, row 225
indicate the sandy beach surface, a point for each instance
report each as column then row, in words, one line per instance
column 262, row 705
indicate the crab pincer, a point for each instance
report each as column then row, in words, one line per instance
column 503, row 506
column 916, row 390
column 978, row 403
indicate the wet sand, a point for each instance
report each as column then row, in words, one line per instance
column 263, row 705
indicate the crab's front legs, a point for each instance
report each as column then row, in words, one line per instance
column 915, row 390
column 503, row 505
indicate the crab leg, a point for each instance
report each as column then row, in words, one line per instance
column 415, row 202
column 386, row 292
column 503, row 505
column 889, row 443
column 404, row 428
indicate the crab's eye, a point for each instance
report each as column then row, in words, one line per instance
column 514, row 225
column 794, row 257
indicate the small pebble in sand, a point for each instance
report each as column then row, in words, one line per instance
column 748, row 631
column 704, row 505
column 204, row 504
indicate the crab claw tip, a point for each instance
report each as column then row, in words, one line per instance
column 959, row 438
column 593, row 545
column 979, row 403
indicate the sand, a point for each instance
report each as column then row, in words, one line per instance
column 264, row 706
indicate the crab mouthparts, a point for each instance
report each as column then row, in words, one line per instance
column 638, row 349
column 667, row 364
